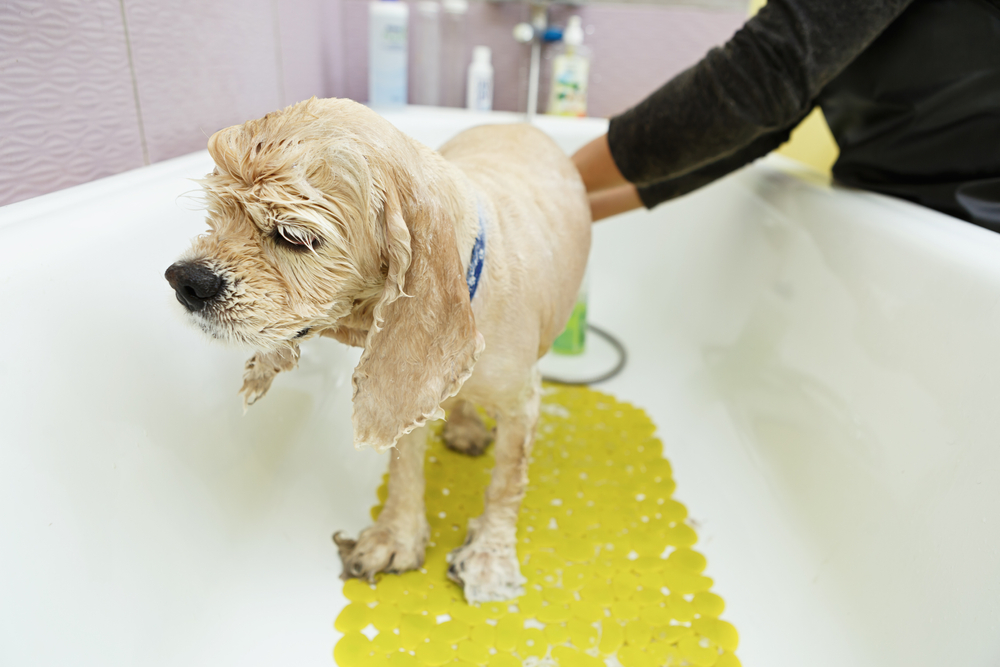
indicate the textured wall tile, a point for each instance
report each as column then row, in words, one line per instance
column 200, row 67
column 487, row 24
column 636, row 48
column 639, row 48
column 334, row 71
column 354, row 47
column 303, row 41
column 492, row 25
column 67, row 108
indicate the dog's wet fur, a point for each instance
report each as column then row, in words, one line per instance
column 325, row 220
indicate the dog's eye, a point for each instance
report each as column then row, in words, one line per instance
column 296, row 237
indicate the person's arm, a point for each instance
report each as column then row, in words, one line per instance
column 612, row 201
column 762, row 80
column 658, row 192
column 596, row 166
column 611, row 194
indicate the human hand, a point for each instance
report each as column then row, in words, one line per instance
column 609, row 192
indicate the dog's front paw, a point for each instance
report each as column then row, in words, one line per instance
column 381, row 549
column 260, row 369
column 487, row 570
column 255, row 385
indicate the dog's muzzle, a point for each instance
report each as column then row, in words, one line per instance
column 194, row 284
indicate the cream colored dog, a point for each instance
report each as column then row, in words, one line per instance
column 325, row 220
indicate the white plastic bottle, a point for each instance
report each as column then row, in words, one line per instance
column 570, row 73
column 479, row 88
column 387, row 52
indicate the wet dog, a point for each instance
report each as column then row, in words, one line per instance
column 454, row 270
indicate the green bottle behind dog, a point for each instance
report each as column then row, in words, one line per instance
column 573, row 338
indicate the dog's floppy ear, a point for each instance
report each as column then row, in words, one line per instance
column 423, row 342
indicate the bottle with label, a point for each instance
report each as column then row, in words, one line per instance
column 570, row 72
column 387, row 52
column 479, row 88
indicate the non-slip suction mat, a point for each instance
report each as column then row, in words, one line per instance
column 613, row 576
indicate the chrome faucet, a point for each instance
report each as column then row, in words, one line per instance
column 534, row 32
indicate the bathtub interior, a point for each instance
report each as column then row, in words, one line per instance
column 820, row 364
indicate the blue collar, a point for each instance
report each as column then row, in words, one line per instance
column 478, row 256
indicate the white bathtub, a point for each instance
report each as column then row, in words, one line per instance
column 823, row 366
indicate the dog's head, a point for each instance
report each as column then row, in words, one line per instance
column 320, row 221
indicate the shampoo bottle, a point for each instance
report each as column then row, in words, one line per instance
column 479, row 88
column 387, row 52
column 570, row 71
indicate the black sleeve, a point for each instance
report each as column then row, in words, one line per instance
column 658, row 192
column 767, row 76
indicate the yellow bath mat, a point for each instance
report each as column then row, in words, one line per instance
column 613, row 578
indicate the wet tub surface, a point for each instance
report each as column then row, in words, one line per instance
column 821, row 365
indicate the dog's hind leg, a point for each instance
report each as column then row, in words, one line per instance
column 486, row 565
column 465, row 432
column 261, row 368
column 397, row 541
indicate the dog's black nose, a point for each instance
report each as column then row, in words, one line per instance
column 195, row 285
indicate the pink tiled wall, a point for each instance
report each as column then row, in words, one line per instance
column 89, row 88
column 67, row 111
column 635, row 47
column 200, row 66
